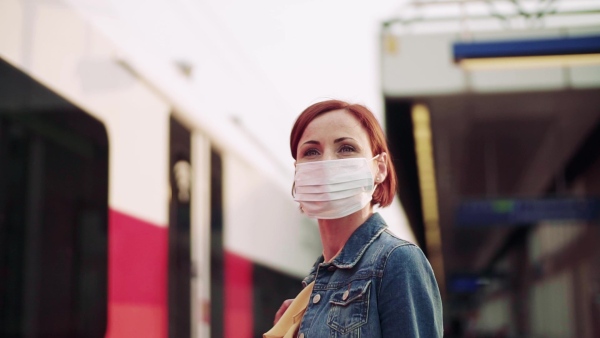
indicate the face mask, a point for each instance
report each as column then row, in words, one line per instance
column 335, row 188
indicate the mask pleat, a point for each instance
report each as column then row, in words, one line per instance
column 305, row 197
column 325, row 188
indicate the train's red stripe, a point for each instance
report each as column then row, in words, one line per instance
column 137, row 277
column 238, row 296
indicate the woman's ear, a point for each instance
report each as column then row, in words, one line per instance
column 381, row 168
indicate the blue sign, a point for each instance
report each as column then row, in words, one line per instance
column 528, row 47
column 526, row 211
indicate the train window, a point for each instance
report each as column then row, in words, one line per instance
column 53, row 213
column 180, row 262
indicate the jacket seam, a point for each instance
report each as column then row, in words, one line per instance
column 387, row 256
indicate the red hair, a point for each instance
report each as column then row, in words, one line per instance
column 386, row 190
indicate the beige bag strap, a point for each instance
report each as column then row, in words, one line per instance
column 290, row 321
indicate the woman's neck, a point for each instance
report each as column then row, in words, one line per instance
column 335, row 232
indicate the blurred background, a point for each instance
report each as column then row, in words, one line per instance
column 145, row 171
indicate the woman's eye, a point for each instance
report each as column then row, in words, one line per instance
column 311, row 152
column 346, row 148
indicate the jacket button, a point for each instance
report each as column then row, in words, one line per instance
column 316, row 298
column 331, row 268
column 345, row 295
column 301, row 335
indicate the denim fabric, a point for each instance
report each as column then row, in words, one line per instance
column 378, row 286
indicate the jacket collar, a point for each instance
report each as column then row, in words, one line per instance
column 355, row 246
column 359, row 242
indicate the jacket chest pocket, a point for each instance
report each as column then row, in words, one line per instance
column 349, row 307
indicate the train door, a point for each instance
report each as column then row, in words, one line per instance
column 180, row 264
column 53, row 213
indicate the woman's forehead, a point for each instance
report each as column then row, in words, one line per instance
column 337, row 123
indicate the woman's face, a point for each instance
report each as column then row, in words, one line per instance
column 334, row 135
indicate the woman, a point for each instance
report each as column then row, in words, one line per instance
column 368, row 282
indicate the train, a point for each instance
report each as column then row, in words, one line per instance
column 126, row 208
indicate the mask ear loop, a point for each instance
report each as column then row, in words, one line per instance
column 294, row 183
column 376, row 180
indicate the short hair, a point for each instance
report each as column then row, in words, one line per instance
column 386, row 190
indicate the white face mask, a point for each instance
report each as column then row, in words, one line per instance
column 334, row 188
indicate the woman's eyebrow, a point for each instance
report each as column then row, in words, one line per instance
column 311, row 142
column 337, row 140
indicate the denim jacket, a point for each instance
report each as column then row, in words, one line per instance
column 378, row 286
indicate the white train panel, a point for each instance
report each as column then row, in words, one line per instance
column 138, row 170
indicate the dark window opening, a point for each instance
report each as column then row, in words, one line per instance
column 217, row 274
column 271, row 288
column 53, row 213
column 180, row 272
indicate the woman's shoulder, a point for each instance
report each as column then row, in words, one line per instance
column 396, row 250
column 391, row 240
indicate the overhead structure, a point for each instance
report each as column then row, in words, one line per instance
column 511, row 91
